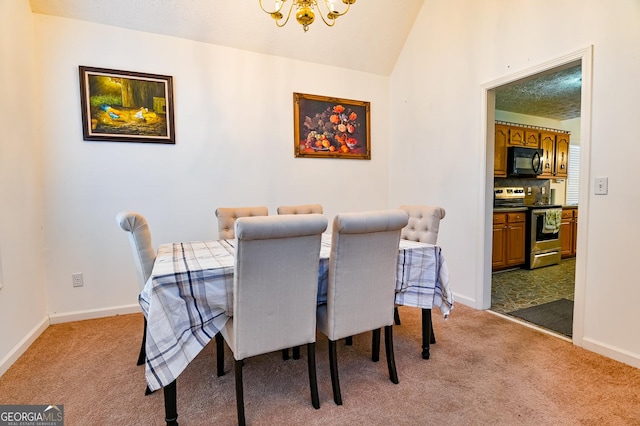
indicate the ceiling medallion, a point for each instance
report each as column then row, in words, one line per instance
column 306, row 11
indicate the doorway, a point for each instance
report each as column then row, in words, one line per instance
column 571, row 268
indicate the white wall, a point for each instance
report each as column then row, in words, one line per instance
column 531, row 120
column 234, row 132
column 23, row 311
column 436, row 109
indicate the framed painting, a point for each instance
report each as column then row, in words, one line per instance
column 126, row 106
column 326, row 127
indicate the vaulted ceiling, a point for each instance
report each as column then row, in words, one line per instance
column 369, row 39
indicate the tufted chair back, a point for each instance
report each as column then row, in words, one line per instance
column 424, row 223
column 140, row 239
column 143, row 254
column 227, row 218
column 301, row 209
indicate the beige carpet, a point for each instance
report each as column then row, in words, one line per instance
column 484, row 370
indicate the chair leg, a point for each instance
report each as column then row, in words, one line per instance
column 396, row 316
column 348, row 341
column 142, row 357
column 333, row 366
column 170, row 404
column 239, row 392
column 375, row 345
column 295, row 350
column 313, row 379
column 391, row 359
column 427, row 333
column 433, row 335
column 220, row 354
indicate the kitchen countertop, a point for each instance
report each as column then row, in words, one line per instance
column 524, row 209
column 509, row 209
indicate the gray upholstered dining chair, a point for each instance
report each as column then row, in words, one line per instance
column 298, row 209
column 423, row 226
column 144, row 255
column 301, row 209
column 361, row 286
column 424, row 223
column 275, row 288
column 227, row 217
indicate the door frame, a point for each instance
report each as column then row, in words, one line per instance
column 483, row 290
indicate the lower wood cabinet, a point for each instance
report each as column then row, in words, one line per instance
column 569, row 232
column 508, row 240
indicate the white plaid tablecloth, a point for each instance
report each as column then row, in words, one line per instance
column 189, row 296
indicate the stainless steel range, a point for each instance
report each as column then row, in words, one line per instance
column 543, row 236
column 542, row 240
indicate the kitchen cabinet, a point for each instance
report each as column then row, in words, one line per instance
column 569, row 232
column 508, row 240
column 562, row 155
column 500, row 154
column 522, row 136
column 548, row 146
column 532, row 138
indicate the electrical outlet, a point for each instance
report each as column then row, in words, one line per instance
column 78, row 280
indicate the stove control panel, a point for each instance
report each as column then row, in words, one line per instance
column 509, row 193
column 508, row 197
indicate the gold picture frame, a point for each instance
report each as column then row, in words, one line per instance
column 328, row 127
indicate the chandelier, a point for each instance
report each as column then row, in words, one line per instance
column 305, row 14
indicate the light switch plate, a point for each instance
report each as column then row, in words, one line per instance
column 601, row 186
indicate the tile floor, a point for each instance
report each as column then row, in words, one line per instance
column 521, row 288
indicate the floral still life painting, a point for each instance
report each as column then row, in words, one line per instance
column 328, row 127
column 125, row 106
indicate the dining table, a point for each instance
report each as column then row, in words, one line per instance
column 189, row 297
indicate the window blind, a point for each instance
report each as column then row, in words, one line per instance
column 574, row 174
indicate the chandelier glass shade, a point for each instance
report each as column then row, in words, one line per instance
column 306, row 11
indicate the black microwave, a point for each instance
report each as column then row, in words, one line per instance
column 524, row 161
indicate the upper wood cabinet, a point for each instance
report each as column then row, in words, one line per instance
column 532, row 138
column 548, row 146
column 562, row 155
column 522, row 136
column 500, row 154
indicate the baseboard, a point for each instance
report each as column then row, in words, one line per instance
column 457, row 298
column 94, row 313
column 615, row 353
column 23, row 345
column 591, row 345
